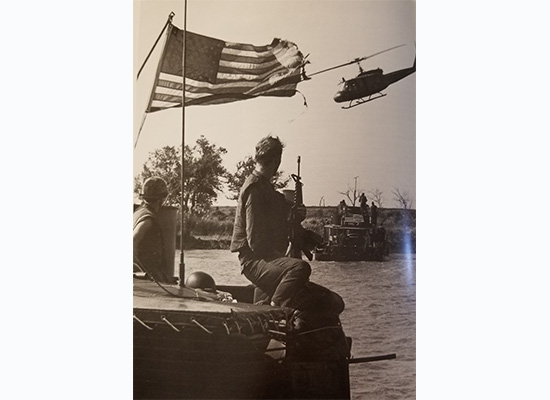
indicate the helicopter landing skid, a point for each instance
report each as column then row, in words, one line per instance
column 358, row 102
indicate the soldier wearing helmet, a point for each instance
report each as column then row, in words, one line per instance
column 149, row 254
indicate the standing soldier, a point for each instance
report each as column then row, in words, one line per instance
column 374, row 214
column 341, row 212
column 364, row 207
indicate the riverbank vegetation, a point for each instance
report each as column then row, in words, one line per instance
column 206, row 226
column 213, row 230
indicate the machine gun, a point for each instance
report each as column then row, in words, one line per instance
column 301, row 240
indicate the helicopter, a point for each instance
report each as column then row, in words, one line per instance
column 368, row 85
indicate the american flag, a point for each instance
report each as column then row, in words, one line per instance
column 222, row 72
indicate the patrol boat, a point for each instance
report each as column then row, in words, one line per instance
column 190, row 345
column 351, row 238
column 204, row 340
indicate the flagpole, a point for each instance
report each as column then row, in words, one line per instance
column 140, row 128
column 168, row 22
column 182, row 262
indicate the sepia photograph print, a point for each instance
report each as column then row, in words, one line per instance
column 275, row 153
column 274, row 199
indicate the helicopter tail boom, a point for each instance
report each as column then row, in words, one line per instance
column 395, row 76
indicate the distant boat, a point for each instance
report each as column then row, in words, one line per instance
column 351, row 238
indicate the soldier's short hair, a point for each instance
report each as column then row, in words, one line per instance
column 268, row 149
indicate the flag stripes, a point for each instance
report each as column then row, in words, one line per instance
column 220, row 72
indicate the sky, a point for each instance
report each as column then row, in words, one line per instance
column 375, row 142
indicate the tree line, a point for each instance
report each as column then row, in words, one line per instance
column 401, row 197
column 204, row 177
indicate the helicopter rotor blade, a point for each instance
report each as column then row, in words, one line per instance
column 355, row 61
column 331, row 68
column 380, row 52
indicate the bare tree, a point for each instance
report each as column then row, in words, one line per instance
column 402, row 198
column 351, row 195
column 377, row 197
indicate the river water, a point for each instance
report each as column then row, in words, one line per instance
column 380, row 314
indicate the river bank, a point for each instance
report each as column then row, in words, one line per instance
column 214, row 230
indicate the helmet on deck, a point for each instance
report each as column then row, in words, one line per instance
column 154, row 188
column 201, row 280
